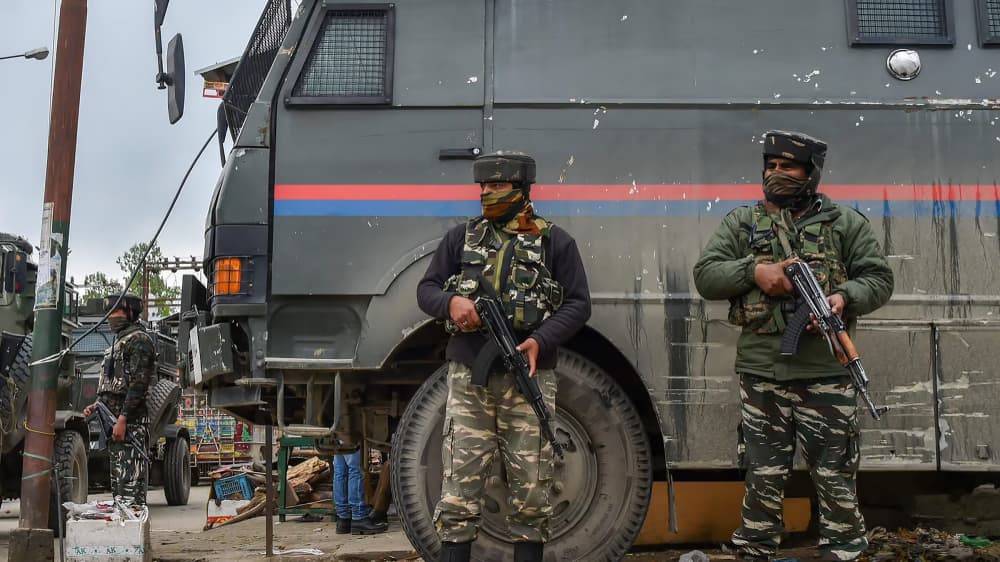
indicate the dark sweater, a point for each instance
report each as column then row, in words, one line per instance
column 562, row 258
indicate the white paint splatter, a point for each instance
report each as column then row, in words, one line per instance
column 625, row 17
column 758, row 51
column 596, row 123
column 472, row 80
column 979, row 80
column 777, row 95
column 938, row 92
column 969, row 46
column 634, row 190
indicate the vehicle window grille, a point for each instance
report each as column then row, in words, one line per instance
column 901, row 21
column 989, row 22
column 351, row 58
column 257, row 58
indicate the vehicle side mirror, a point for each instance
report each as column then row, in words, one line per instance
column 175, row 79
column 160, row 11
column 17, row 272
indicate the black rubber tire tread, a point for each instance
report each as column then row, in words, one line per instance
column 177, row 471
column 612, row 521
column 20, row 373
column 70, row 454
column 160, row 399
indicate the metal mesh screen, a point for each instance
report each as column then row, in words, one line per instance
column 993, row 18
column 257, row 58
column 349, row 56
column 95, row 343
column 901, row 19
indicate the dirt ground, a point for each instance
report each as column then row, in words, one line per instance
column 177, row 536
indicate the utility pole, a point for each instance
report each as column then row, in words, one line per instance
column 33, row 540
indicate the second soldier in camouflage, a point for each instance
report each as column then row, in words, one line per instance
column 129, row 369
column 806, row 398
column 536, row 269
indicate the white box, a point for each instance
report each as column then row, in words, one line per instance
column 108, row 541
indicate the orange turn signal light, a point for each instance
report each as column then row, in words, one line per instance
column 228, row 274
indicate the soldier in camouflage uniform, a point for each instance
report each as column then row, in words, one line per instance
column 806, row 398
column 128, row 371
column 536, row 268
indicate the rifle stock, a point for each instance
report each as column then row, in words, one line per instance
column 813, row 301
column 107, row 421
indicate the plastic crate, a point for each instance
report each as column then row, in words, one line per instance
column 226, row 488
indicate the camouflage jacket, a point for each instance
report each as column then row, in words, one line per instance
column 129, row 369
column 725, row 270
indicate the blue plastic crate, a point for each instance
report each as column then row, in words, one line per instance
column 227, row 488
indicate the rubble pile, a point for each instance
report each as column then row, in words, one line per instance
column 926, row 545
column 309, row 485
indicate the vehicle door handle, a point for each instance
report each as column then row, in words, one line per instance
column 459, row 153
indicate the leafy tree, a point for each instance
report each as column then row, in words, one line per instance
column 98, row 285
column 158, row 287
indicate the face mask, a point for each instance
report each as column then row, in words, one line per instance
column 117, row 323
column 502, row 206
column 784, row 190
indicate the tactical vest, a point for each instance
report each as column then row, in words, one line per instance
column 814, row 244
column 515, row 265
column 115, row 380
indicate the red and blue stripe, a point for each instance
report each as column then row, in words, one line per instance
column 569, row 200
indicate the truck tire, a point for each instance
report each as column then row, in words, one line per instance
column 177, row 471
column 70, row 455
column 161, row 398
column 604, row 484
column 14, row 396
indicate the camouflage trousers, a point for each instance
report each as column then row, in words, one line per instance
column 479, row 421
column 821, row 414
column 129, row 471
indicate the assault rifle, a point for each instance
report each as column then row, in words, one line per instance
column 504, row 344
column 813, row 303
column 107, row 421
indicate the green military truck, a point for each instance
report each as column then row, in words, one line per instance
column 353, row 126
column 72, row 434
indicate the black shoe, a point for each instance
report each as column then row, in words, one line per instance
column 310, row 518
column 455, row 552
column 367, row 527
column 379, row 517
column 528, row 552
column 343, row 526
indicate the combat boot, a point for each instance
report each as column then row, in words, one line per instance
column 455, row 552
column 343, row 526
column 528, row 551
column 367, row 527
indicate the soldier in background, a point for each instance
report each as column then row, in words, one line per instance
column 807, row 397
column 129, row 369
column 536, row 268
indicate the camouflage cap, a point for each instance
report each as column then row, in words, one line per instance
column 129, row 303
column 799, row 147
column 504, row 166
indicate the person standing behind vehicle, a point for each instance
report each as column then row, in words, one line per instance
column 349, row 497
column 807, row 397
column 129, row 369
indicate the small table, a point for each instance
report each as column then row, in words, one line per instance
column 285, row 446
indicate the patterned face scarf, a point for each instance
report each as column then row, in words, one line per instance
column 511, row 210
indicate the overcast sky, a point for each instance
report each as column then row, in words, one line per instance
column 129, row 158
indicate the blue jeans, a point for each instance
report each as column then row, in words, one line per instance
column 348, row 486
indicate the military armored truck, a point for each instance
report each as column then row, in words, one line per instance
column 16, row 323
column 353, row 128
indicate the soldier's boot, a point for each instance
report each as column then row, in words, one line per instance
column 343, row 525
column 455, row 552
column 528, row 552
column 367, row 527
